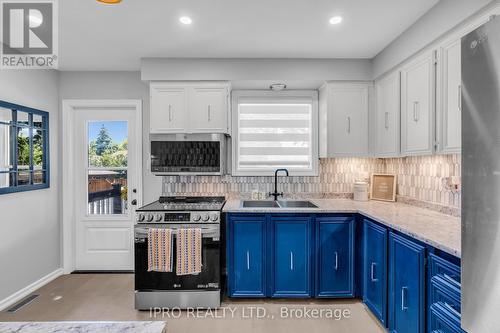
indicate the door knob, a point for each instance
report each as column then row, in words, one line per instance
column 134, row 202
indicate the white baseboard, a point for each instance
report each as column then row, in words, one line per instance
column 17, row 296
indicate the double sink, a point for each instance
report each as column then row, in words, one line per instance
column 278, row 204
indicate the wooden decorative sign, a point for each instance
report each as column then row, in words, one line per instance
column 383, row 187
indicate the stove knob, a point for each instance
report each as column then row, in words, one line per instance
column 205, row 217
column 196, row 217
column 149, row 217
column 214, row 217
column 158, row 217
column 140, row 217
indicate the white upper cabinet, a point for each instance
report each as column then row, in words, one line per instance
column 344, row 115
column 417, row 106
column 209, row 109
column 449, row 98
column 180, row 107
column 388, row 115
column 168, row 109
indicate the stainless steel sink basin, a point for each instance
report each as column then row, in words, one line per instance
column 278, row 204
column 296, row 204
column 260, row 204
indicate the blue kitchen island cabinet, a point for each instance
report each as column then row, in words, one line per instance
column 246, row 254
column 290, row 256
column 335, row 256
column 406, row 285
column 375, row 269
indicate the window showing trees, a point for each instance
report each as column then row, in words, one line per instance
column 24, row 148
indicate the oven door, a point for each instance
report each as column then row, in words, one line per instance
column 188, row 154
column 208, row 279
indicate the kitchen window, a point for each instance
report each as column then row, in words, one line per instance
column 24, row 148
column 274, row 130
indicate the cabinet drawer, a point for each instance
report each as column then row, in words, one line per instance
column 444, row 319
column 440, row 266
column 445, row 290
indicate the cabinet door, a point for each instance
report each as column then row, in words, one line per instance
column 168, row 109
column 208, row 109
column 417, row 113
column 348, row 120
column 406, row 285
column 450, row 98
column 335, row 257
column 375, row 269
column 290, row 256
column 246, row 244
column 388, row 115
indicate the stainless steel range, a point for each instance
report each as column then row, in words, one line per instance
column 167, row 289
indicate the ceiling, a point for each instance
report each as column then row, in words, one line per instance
column 95, row 36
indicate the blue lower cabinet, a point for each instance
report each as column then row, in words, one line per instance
column 246, row 249
column 290, row 257
column 444, row 319
column 406, row 285
column 375, row 269
column 335, row 257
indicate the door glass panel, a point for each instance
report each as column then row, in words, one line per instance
column 38, row 177
column 37, row 121
column 5, row 148
column 22, row 118
column 23, row 178
column 23, row 148
column 107, row 192
column 6, row 179
column 38, row 148
column 107, row 144
column 5, row 115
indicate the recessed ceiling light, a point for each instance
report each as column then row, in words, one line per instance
column 185, row 20
column 336, row 20
column 110, row 2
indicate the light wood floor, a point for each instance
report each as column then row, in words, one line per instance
column 109, row 297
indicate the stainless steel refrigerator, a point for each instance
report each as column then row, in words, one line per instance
column 481, row 179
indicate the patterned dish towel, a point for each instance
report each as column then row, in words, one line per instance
column 188, row 251
column 159, row 250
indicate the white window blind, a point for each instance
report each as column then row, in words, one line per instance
column 275, row 131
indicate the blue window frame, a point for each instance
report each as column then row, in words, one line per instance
column 24, row 148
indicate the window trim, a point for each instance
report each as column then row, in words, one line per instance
column 274, row 97
column 46, row 148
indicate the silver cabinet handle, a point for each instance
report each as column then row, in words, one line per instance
column 372, row 273
column 169, row 112
column 248, row 260
column 348, row 124
column 387, row 120
column 291, row 261
column 404, row 291
column 459, row 97
column 336, row 261
column 209, row 113
column 415, row 111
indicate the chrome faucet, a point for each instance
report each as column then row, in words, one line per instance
column 276, row 194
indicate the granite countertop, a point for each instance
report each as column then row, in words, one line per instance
column 436, row 229
column 84, row 327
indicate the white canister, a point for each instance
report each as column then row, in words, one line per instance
column 361, row 191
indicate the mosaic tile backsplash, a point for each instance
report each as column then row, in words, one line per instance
column 420, row 179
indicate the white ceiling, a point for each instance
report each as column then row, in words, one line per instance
column 95, row 36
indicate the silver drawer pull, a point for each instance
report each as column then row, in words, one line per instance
column 372, row 274
column 291, row 261
column 169, row 112
column 348, row 124
column 404, row 291
column 248, row 260
column 209, row 113
column 336, row 261
column 415, row 111
column 387, row 120
column 459, row 97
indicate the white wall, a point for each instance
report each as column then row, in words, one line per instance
column 255, row 69
column 29, row 221
column 115, row 85
column 440, row 19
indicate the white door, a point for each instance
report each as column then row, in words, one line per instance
column 208, row 109
column 451, row 98
column 417, row 109
column 348, row 120
column 168, row 109
column 388, row 113
column 107, row 184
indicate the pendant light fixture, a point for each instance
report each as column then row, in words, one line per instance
column 110, row 2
